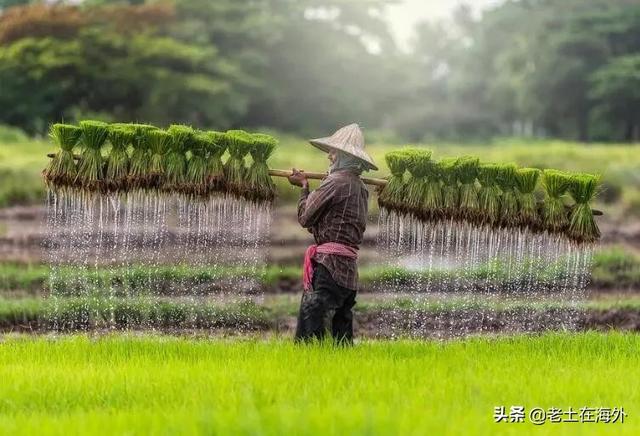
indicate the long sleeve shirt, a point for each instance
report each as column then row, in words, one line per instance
column 337, row 212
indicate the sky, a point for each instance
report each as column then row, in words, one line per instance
column 407, row 13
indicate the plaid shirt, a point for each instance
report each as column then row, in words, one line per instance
column 337, row 212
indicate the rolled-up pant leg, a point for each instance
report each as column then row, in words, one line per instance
column 326, row 297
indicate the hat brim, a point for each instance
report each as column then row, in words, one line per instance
column 321, row 143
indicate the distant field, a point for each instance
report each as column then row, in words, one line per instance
column 21, row 163
column 161, row 385
column 613, row 268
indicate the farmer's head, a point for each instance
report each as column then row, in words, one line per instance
column 344, row 161
column 346, row 150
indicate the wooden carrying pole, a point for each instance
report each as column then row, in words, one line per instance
column 321, row 176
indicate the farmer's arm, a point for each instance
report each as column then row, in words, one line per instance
column 312, row 205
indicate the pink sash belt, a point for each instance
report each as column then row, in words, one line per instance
column 326, row 248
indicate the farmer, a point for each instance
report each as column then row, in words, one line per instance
column 336, row 214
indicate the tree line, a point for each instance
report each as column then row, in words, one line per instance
column 543, row 68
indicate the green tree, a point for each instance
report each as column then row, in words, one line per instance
column 616, row 91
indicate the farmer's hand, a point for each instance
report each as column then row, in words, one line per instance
column 298, row 178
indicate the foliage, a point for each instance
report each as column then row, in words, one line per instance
column 12, row 134
column 583, row 189
column 489, row 195
column 467, row 173
column 196, row 176
column 616, row 89
column 419, row 168
column 39, row 21
column 239, row 143
column 159, row 144
column 176, row 163
column 217, row 146
column 448, row 169
column 90, row 169
column 509, row 200
column 140, row 163
column 118, row 160
column 527, row 181
column 554, row 215
column 392, row 195
column 260, row 185
column 558, row 68
column 62, row 170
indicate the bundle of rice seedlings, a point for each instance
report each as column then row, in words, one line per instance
column 239, row 143
column 467, row 172
column 196, row 176
column 217, row 145
column 392, row 196
column 554, row 214
column 91, row 169
column 450, row 191
column 507, row 181
column 489, row 193
column 159, row 144
column 433, row 202
column 527, row 181
column 140, row 162
column 62, row 171
column 176, row 162
column 582, row 226
column 419, row 167
column 118, row 159
column 260, row 184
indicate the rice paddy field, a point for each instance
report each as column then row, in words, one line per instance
column 130, row 336
column 162, row 385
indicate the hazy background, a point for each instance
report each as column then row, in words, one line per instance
column 407, row 71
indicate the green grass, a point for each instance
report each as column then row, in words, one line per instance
column 17, row 276
column 75, row 314
column 160, row 385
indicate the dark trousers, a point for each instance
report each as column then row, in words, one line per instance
column 326, row 301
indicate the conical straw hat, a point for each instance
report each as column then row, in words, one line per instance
column 349, row 139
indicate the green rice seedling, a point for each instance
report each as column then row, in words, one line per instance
column 176, row 163
column 62, row 170
column 196, row 176
column 554, row 214
column 91, row 169
column 527, row 181
column 117, row 172
column 450, row 189
column 507, row 181
column 467, row 172
column 433, row 202
column 239, row 143
column 582, row 226
column 261, row 186
column 140, row 163
column 217, row 145
column 159, row 144
column 392, row 195
column 489, row 193
column 419, row 167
